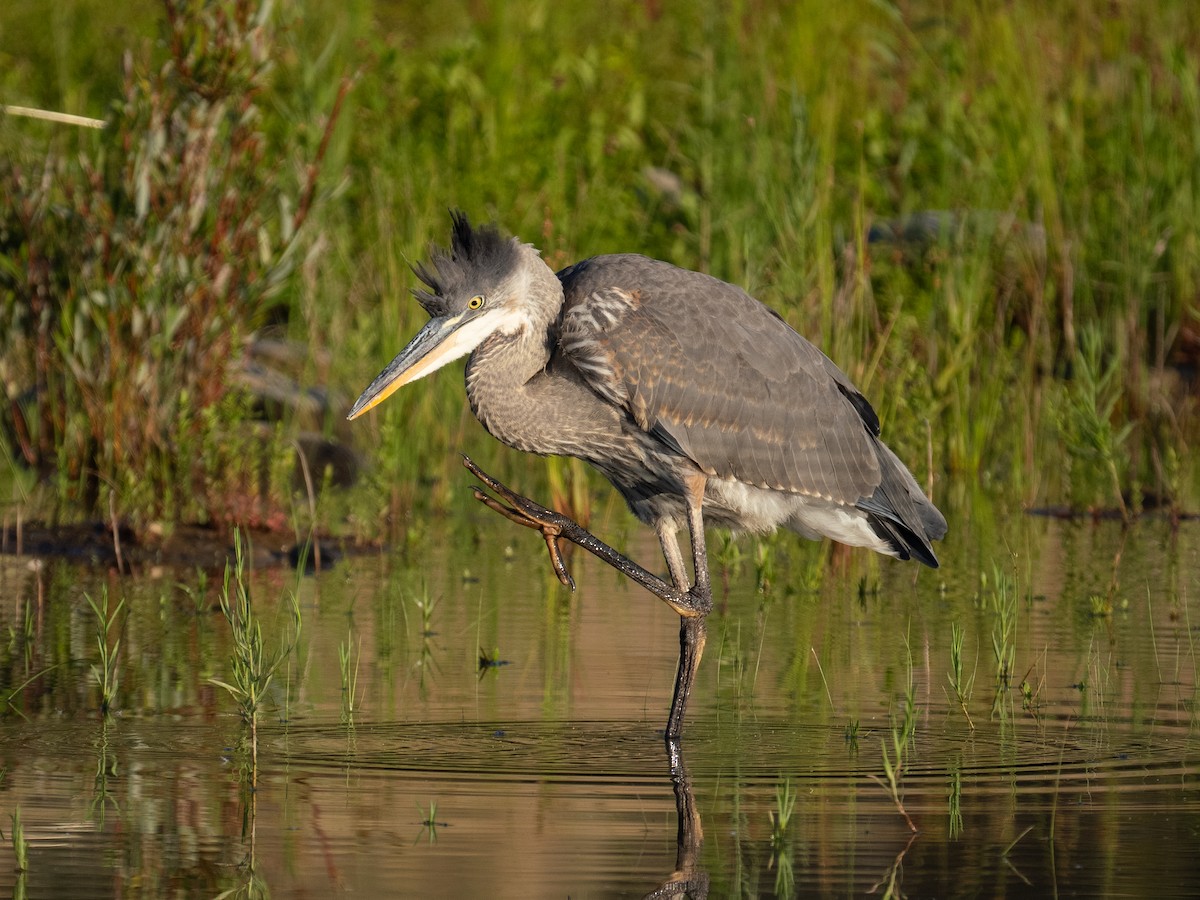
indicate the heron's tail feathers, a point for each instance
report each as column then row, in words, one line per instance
column 901, row 514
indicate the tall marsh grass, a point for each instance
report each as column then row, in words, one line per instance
column 948, row 197
column 133, row 267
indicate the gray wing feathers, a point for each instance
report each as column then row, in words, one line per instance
column 735, row 388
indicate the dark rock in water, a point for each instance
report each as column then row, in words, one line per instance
column 315, row 556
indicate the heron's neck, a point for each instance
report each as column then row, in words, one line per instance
column 501, row 370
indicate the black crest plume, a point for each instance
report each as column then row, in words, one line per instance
column 477, row 256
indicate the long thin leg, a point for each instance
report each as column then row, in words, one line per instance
column 692, row 635
column 692, row 605
column 670, row 549
column 695, row 506
column 692, row 630
column 555, row 527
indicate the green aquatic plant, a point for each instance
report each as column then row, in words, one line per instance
column 1005, row 856
column 781, row 815
column 1087, row 421
column 728, row 556
column 24, row 636
column 1031, row 689
column 348, row 660
column 7, row 697
column 1100, row 606
column 785, row 872
column 197, row 593
column 20, row 845
column 429, row 822
column 895, row 764
column 821, row 672
column 732, row 663
column 954, row 801
column 106, row 771
column 902, row 734
column 1002, row 598
column 105, row 671
column 764, row 564
column 962, row 684
column 850, row 735
column 425, row 604
column 252, row 667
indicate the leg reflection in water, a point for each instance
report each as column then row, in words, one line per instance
column 688, row 879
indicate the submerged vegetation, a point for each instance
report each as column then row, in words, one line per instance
column 987, row 215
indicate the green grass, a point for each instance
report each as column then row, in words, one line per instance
column 954, row 803
column 901, row 737
column 962, row 684
column 19, row 844
column 104, row 672
column 1087, row 421
column 349, row 659
column 756, row 145
column 781, row 815
column 252, row 666
column 429, row 822
column 1001, row 600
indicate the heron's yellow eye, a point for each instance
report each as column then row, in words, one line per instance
column 475, row 302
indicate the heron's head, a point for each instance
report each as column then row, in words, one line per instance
column 481, row 286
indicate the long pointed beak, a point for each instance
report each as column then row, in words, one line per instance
column 441, row 341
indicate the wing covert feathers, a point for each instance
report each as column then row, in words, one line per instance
column 738, row 390
column 725, row 381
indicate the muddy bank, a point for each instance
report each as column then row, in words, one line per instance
column 184, row 546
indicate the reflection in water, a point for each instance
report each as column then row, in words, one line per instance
column 547, row 776
column 106, row 773
column 689, row 878
column 889, row 883
column 253, row 885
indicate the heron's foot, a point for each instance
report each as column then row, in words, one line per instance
column 528, row 513
column 555, row 528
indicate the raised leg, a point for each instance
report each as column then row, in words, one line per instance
column 692, row 605
column 555, row 527
column 670, row 549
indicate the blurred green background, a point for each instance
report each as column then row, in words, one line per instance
column 985, row 213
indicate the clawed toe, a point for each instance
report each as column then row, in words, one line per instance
column 525, row 512
column 555, row 528
column 520, row 509
column 509, row 512
column 692, row 605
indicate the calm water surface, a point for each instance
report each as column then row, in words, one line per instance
column 545, row 774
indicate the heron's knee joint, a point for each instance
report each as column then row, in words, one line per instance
column 692, row 605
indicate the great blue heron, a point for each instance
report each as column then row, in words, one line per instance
column 696, row 401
